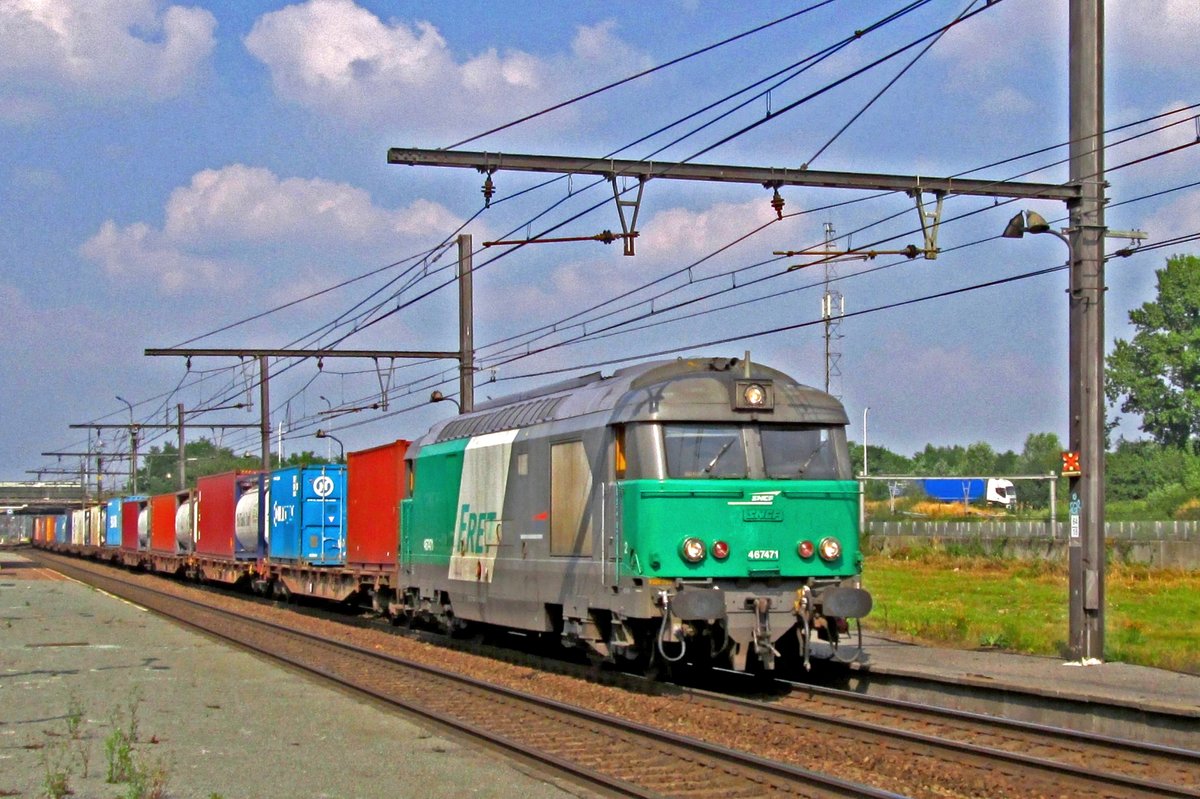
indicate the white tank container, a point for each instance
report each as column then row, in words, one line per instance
column 144, row 528
column 245, row 520
column 96, row 527
column 185, row 526
column 79, row 522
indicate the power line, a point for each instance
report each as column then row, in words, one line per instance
column 882, row 91
column 641, row 74
column 770, row 117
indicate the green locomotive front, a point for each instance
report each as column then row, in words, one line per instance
column 698, row 510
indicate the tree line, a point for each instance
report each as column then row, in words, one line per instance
column 1155, row 375
column 159, row 473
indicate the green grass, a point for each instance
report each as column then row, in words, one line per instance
column 1152, row 617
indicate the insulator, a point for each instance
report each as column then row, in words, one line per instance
column 777, row 203
column 607, row 237
column 489, row 189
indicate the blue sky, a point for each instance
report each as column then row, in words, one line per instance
column 170, row 169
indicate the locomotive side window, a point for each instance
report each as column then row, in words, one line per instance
column 808, row 453
column 641, row 445
column 704, row 450
column 570, row 486
column 619, row 461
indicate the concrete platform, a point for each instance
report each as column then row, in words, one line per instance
column 1119, row 699
column 212, row 721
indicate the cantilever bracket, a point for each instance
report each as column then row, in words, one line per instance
column 385, row 380
column 628, row 228
column 930, row 221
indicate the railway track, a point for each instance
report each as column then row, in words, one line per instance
column 688, row 742
column 1116, row 766
column 618, row 756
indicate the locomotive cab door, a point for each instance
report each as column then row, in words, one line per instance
column 610, row 509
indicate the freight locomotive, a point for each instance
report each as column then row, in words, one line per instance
column 695, row 510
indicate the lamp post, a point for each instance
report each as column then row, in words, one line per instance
column 862, row 483
column 133, row 446
column 341, row 446
column 328, row 412
column 865, row 409
column 1085, row 551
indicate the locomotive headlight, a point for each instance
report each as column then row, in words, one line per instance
column 720, row 550
column 754, row 395
column 693, row 550
column 830, row 549
column 805, row 549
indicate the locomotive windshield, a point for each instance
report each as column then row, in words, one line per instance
column 808, row 453
column 697, row 450
column 779, row 452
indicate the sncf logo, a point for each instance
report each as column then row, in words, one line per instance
column 761, row 499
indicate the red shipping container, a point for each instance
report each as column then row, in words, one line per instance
column 375, row 483
column 162, row 521
column 216, row 511
column 130, row 511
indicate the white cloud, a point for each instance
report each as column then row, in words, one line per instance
column 253, row 204
column 228, row 222
column 687, row 234
column 139, row 251
column 669, row 240
column 1157, row 34
column 1181, row 217
column 1003, row 42
column 335, row 57
column 97, row 50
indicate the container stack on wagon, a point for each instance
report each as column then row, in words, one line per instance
column 170, row 523
column 220, row 497
column 308, row 520
column 135, row 524
column 229, row 525
column 376, row 480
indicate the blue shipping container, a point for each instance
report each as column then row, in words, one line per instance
column 112, row 530
column 62, row 529
column 308, row 520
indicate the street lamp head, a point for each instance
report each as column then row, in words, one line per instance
column 331, row 437
column 1025, row 222
column 1036, row 223
column 1015, row 228
column 438, row 396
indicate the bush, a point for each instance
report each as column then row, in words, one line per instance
column 1164, row 502
column 1189, row 511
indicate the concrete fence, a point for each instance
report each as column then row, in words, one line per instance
column 1173, row 545
column 1116, row 531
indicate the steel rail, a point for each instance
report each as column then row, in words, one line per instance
column 1122, row 747
column 800, row 778
column 1186, row 757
